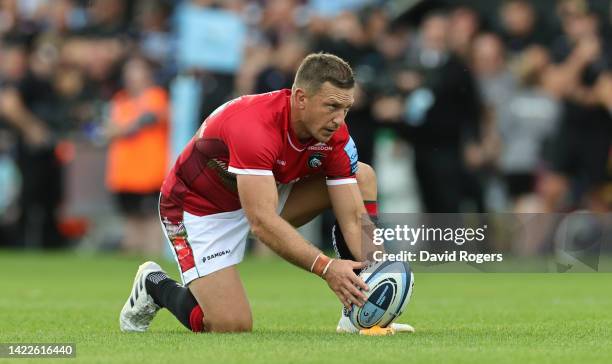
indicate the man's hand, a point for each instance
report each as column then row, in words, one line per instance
column 345, row 283
column 588, row 49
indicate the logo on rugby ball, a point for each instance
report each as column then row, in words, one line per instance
column 378, row 303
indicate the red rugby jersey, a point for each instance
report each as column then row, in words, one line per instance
column 252, row 135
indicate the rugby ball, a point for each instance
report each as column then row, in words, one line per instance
column 390, row 290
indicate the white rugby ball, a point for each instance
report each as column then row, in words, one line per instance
column 390, row 286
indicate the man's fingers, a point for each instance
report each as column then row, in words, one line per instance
column 346, row 295
column 358, row 295
column 343, row 298
column 357, row 281
column 354, row 295
column 359, row 265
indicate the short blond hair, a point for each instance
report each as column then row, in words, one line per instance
column 318, row 68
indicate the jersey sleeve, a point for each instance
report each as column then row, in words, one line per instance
column 253, row 149
column 343, row 162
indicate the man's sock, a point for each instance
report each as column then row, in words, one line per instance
column 179, row 300
column 371, row 208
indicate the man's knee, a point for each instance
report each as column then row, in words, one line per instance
column 366, row 178
column 230, row 323
column 366, row 174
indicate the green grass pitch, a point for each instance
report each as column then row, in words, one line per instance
column 460, row 318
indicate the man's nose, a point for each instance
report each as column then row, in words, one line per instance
column 339, row 119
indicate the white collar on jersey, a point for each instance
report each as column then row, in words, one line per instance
column 292, row 145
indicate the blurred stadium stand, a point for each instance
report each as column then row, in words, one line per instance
column 462, row 106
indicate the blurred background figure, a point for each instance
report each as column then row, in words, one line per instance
column 518, row 26
column 464, row 26
column 153, row 37
column 284, row 61
column 442, row 118
column 138, row 155
column 27, row 105
column 582, row 145
column 527, row 126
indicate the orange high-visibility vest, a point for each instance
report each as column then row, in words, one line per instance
column 138, row 164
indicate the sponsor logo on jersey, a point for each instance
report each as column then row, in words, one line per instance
column 316, row 160
column 216, row 255
column 281, row 162
column 321, row 147
column 351, row 152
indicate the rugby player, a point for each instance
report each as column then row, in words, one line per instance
column 264, row 163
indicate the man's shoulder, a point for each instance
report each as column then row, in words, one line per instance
column 254, row 113
column 268, row 103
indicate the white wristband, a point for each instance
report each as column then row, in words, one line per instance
column 315, row 262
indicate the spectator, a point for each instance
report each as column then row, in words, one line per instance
column 26, row 104
column 9, row 185
column 138, row 127
column 464, row 26
column 443, row 119
column 280, row 72
column 527, row 124
column 345, row 36
column 106, row 18
column 497, row 85
column 518, row 21
column 154, row 38
column 581, row 149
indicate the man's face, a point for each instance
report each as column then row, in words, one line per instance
column 324, row 111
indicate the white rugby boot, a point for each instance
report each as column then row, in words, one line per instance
column 139, row 309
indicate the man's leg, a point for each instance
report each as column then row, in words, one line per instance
column 214, row 303
column 223, row 301
column 207, row 250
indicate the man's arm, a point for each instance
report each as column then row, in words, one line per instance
column 347, row 203
column 587, row 50
column 146, row 119
column 15, row 112
column 259, row 199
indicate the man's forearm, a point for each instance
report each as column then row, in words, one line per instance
column 15, row 113
column 350, row 212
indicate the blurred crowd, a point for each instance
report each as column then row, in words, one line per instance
column 510, row 111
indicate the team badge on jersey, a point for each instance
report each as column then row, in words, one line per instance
column 316, row 160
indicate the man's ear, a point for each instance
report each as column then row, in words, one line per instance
column 300, row 97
